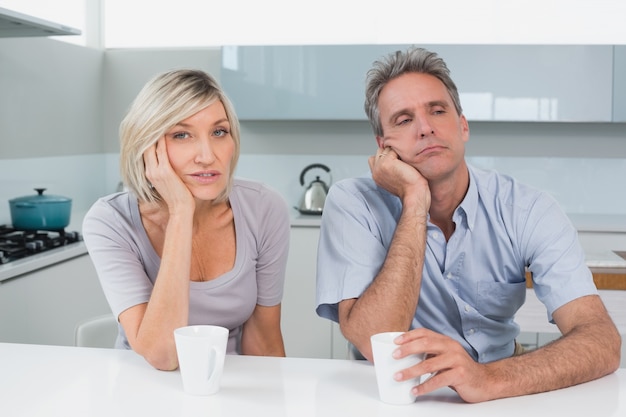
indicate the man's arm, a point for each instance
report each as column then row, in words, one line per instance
column 589, row 349
column 390, row 301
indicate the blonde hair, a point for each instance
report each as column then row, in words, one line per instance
column 163, row 102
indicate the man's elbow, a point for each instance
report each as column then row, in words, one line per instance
column 616, row 352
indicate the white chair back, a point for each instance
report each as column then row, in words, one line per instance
column 100, row 331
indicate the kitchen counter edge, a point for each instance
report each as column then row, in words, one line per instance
column 32, row 263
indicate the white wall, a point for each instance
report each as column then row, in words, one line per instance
column 50, row 98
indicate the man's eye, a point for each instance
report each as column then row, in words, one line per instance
column 403, row 121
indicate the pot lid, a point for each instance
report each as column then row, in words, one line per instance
column 40, row 198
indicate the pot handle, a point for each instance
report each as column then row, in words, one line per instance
column 306, row 169
column 25, row 205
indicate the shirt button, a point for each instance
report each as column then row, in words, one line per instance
column 471, row 331
column 467, row 308
column 449, row 276
column 435, row 235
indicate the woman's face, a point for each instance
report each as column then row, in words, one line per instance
column 200, row 150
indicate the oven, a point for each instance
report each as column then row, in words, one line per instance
column 47, row 286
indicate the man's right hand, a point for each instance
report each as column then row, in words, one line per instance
column 399, row 178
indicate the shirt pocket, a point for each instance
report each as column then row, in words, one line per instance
column 500, row 300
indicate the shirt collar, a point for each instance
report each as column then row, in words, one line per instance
column 469, row 205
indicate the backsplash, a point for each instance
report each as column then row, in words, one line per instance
column 581, row 185
column 82, row 178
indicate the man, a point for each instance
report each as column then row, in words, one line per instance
column 437, row 248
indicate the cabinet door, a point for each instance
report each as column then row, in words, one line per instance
column 44, row 306
column 619, row 84
column 496, row 82
column 532, row 83
column 306, row 335
column 298, row 82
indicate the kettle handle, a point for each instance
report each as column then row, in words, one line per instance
column 306, row 169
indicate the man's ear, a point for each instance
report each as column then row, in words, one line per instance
column 380, row 141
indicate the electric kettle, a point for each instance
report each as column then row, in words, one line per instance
column 312, row 201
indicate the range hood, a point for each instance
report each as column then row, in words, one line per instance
column 16, row 25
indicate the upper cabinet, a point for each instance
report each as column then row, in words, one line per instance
column 619, row 84
column 495, row 82
column 18, row 25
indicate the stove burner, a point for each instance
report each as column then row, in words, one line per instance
column 17, row 244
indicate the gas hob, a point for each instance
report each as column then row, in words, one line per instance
column 18, row 244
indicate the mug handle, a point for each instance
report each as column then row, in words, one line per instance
column 213, row 371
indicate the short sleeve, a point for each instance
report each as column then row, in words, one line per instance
column 351, row 248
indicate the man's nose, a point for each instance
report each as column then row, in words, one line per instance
column 424, row 127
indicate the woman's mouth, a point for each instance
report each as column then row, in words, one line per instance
column 206, row 177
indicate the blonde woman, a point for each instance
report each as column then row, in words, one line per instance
column 188, row 243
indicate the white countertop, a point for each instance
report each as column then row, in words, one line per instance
column 601, row 223
column 604, row 259
column 51, row 381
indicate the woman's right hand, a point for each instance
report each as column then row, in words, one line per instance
column 163, row 177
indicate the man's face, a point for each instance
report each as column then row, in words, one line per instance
column 421, row 125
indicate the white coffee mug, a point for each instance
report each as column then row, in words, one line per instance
column 390, row 390
column 201, row 353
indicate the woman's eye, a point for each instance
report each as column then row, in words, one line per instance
column 180, row 135
column 220, row 132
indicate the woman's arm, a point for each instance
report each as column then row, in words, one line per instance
column 261, row 334
column 150, row 327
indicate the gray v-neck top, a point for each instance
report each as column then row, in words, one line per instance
column 127, row 264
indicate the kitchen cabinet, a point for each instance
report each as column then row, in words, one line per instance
column 14, row 24
column 619, row 84
column 306, row 335
column 495, row 82
column 44, row 306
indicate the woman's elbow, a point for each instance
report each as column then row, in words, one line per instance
column 161, row 359
column 162, row 362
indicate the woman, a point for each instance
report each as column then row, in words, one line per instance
column 188, row 244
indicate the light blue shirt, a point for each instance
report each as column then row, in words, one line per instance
column 473, row 284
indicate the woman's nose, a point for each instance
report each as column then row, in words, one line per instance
column 204, row 153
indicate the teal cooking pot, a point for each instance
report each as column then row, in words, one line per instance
column 40, row 212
